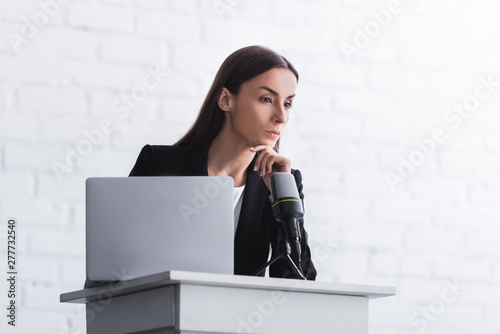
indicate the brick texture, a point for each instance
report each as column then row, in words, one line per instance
column 385, row 202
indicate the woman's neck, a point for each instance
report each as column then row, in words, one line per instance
column 229, row 156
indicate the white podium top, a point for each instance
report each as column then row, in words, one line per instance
column 251, row 282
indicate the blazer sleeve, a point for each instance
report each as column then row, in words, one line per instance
column 281, row 268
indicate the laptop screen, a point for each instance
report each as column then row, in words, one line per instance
column 137, row 226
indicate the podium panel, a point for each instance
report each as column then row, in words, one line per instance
column 200, row 303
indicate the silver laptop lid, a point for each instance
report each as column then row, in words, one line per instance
column 137, row 226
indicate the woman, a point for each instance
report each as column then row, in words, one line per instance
column 237, row 133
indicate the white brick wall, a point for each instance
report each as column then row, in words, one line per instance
column 355, row 118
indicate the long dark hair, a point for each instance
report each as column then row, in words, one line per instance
column 239, row 67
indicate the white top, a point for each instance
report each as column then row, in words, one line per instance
column 237, row 200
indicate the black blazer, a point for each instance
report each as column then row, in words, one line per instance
column 257, row 227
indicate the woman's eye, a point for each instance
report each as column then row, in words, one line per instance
column 288, row 105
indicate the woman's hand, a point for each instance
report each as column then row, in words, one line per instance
column 268, row 162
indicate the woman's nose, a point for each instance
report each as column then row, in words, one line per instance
column 281, row 115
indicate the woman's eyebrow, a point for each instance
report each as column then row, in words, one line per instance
column 274, row 92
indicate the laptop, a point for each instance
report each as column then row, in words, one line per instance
column 138, row 226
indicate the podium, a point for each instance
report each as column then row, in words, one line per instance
column 181, row 302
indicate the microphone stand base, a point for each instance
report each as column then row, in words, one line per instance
column 296, row 270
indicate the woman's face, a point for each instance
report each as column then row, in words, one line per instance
column 262, row 106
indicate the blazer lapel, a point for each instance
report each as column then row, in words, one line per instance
column 255, row 196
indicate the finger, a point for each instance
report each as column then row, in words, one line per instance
column 265, row 163
column 260, row 147
column 269, row 164
column 257, row 148
column 266, row 181
column 262, row 167
column 262, row 156
column 258, row 160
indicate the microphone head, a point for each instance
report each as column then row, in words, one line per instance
column 283, row 186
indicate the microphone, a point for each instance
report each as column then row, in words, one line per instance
column 287, row 209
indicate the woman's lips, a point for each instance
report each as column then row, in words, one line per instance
column 272, row 134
